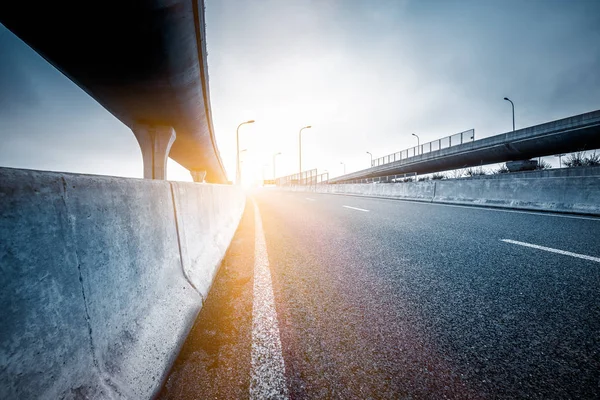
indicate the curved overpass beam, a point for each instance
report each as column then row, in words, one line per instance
column 144, row 61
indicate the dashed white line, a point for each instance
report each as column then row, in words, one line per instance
column 472, row 207
column 563, row 252
column 356, row 208
column 309, row 199
column 268, row 369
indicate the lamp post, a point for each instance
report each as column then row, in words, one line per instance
column 369, row 153
column 513, row 111
column 418, row 142
column 237, row 153
column 341, row 162
column 274, row 167
column 241, row 162
column 300, row 148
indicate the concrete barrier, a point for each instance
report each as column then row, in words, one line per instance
column 414, row 191
column 575, row 194
column 102, row 278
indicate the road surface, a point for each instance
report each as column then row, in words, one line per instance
column 376, row 298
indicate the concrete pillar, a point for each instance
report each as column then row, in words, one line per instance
column 198, row 176
column 155, row 142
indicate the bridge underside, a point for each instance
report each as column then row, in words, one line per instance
column 144, row 61
column 568, row 135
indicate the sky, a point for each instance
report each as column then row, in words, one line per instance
column 364, row 74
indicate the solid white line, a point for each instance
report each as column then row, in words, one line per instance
column 268, row 369
column 566, row 253
column 309, row 199
column 356, row 208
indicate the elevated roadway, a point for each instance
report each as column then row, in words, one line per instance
column 579, row 132
column 144, row 61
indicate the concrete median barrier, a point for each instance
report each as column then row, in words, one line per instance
column 571, row 194
column 415, row 191
column 102, row 278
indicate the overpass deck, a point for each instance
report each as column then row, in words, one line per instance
column 576, row 133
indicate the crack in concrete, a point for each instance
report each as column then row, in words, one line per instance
column 88, row 320
column 108, row 386
column 87, row 313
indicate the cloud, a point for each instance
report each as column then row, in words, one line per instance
column 365, row 74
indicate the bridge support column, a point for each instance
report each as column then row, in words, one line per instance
column 198, row 176
column 155, row 142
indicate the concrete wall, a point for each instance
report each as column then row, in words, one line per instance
column 580, row 194
column 416, row 191
column 102, row 278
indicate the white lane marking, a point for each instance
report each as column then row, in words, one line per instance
column 268, row 369
column 356, row 208
column 309, row 199
column 566, row 253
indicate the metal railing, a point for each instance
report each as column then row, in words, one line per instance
column 448, row 141
column 303, row 178
column 409, row 177
column 322, row 178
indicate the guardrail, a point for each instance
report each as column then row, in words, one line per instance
column 302, row 178
column 409, row 177
column 323, row 178
column 305, row 178
column 448, row 141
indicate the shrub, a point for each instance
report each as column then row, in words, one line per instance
column 438, row 177
column 593, row 160
column 457, row 173
column 502, row 170
column 475, row 171
column 574, row 160
column 543, row 165
column 579, row 159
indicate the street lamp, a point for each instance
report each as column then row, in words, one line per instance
column 418, row 142
column 241, row 162
column 274, row 168
column 341, row 162
column 237, row 154
column 369, row 153
column 513, row 111
column 300, row 147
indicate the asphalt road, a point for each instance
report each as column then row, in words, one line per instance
column 379, row 298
